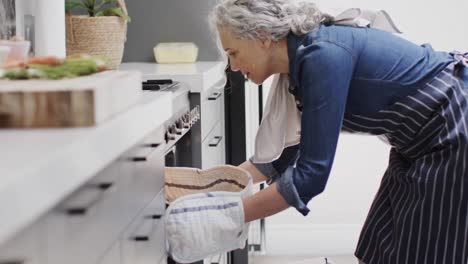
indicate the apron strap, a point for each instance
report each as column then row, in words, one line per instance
column 460, row 60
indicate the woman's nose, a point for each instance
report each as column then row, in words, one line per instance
column 234, row 67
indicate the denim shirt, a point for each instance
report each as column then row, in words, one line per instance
column 339, row 70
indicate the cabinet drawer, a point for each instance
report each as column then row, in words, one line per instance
column 27, row 247
column 143, row 242
column 96, row 214
column 213, row 147
column 212, row 109
column 112, row 256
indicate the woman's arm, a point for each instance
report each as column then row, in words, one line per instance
column 264, row 203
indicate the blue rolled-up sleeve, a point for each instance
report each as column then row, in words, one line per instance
column 275, row 168
column 324, row 71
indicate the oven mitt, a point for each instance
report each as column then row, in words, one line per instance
column 204, row 224
column 182, row 181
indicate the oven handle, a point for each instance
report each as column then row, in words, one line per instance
column 13, row 261
column 215, row 142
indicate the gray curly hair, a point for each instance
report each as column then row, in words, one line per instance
column 250, row 19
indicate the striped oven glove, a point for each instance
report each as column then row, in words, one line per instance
column 205, row 224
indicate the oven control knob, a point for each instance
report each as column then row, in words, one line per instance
column 169, row 135
column 166, row 137
column 193, row 116
column 179, row 124
column 176, row 129
column 186, row 121
column 189, row 118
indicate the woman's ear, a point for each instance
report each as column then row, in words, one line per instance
column 265, row 39
column 266, row 43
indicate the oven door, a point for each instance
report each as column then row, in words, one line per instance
column 171, row 157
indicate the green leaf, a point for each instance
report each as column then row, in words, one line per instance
column 73, row 4
column 105, row 2
column 90, row 5
column 117, row 11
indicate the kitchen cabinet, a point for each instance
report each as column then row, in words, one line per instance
column 212, row 128
column 212, row 108
column 107, row 215
column 112, row 256
column 143, row 240
column 213, row 147
column 95, row 195
column 26, row 248
column 96, row 214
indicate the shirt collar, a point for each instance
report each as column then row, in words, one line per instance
column 293, row 42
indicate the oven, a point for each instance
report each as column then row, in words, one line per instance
column 178, row 129
column 178, row 137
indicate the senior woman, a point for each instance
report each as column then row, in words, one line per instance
column 368, row 81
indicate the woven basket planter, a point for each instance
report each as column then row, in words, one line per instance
column 97, row 36
column 182, row 181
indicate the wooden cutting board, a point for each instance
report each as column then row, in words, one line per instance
column 78, row 102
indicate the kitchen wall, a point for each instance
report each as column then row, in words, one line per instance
column 158, row 21
column 337, row 215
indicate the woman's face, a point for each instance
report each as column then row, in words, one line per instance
column 251, row 57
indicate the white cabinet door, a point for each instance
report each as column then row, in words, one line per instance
column 213, row 147
column 95, row 217
column 91, row 216
column 27, row 247
column 144, row 240
column 212, row 110
column 112, row 256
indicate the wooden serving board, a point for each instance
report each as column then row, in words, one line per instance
column 78, row 102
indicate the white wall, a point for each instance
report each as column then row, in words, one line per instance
column 337, row 215
column 49, row 19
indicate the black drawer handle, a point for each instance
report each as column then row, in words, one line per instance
column 215, row 141
column 148, row 157
column 152, row 145
column 141, row 238
column 13, row 261
column 104, row 185
column 145, row 238
column 215, row 96
column 82, row 210
column 155, row 216
column 138, row 159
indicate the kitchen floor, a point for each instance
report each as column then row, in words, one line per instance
column 266, row 259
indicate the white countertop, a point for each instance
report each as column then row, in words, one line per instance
column 39, row 167
column 198, row 76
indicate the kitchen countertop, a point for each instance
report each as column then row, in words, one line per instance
column 40, row 167
column 198, row 76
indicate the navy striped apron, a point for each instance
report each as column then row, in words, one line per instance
column 420, row 212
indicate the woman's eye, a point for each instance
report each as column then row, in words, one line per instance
column 233, row 54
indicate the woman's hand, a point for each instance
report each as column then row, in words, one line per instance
column 257, row 176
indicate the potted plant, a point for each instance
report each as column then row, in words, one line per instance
column 102, row 32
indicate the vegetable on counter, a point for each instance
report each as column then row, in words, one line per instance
column 51, row 68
